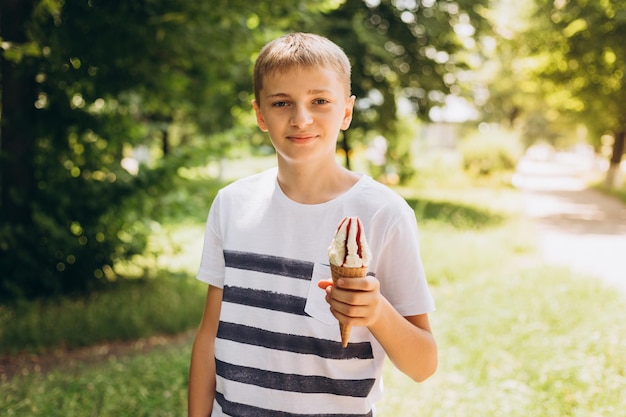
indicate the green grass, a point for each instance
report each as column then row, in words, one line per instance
column 521, row 341
column 152, row 384
column 134, row 309
column 516, row 337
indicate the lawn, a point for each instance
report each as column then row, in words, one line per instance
column 516, row 337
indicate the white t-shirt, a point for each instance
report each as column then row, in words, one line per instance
column 278, row 349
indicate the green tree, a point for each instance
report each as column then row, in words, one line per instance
column 67, row 111
column 85, row 82
column 403, row 49
column 583, row 57
column 507, row 83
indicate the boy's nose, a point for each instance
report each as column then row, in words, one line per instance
column 301, row 117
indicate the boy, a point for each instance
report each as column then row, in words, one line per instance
column 268, row 343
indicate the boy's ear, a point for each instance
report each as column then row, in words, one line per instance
column 259, row 117
column 347, row 117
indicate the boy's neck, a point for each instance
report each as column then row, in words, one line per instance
column 311, row 185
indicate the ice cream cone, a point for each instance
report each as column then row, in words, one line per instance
column 346, row 273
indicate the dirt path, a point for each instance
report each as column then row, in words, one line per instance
column 66, row 359
column 578, row 227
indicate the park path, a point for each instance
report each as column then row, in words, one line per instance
column 578, row 227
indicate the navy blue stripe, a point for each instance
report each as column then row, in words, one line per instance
column 275, row 265
column 293, row 343
column 241, row 410
column 265, row 299
column 307, row 384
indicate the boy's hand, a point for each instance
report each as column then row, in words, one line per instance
column 356, row 302
column 408, row 340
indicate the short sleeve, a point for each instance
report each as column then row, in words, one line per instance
column 400, row 269
column 211, row 269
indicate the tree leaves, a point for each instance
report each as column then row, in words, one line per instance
column 97, row 81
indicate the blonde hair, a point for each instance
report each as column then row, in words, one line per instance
column 297, row 50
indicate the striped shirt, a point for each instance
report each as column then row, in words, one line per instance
column 278, row 350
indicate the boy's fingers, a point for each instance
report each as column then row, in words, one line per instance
column 348, row 284
column 324, row 284
column 357, row 284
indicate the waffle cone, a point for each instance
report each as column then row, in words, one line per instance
column 346, row 273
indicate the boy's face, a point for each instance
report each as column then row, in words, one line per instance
column 303, row 110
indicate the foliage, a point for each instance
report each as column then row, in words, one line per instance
column 409, row 50
column 502, row 87
column 402, row 50
column 117, row 80
column 582, row 51
column 588, row 60
column 560, row 71
column 70, row 211
column 75, row 210
column 490, row 151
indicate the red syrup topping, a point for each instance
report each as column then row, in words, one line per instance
column 359, row 250
column 345, row 253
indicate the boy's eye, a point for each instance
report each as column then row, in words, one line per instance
column 279, row 104
column 320, row 101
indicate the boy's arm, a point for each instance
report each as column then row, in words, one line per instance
column 202, row 368
column 408, row 341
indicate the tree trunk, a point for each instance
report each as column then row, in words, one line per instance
column 165, row 141
column 17, row 132
column 613, row 173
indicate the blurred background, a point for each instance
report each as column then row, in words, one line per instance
column 501, row 122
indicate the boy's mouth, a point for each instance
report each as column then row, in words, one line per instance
column 302, row 138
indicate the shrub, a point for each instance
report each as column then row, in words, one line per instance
column 489, row 152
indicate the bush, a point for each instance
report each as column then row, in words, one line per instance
column 74, row 238
column 494, row 151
